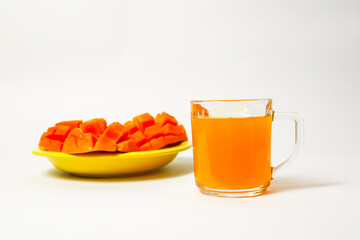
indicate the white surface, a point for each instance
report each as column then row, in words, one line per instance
column 114, row 59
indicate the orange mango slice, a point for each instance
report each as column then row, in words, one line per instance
column 79, row 142
column 138, row 138
column 50, row 144
column 126, row 146
column 158, row 142
column 145, row 147
column 165, row 118
column 199, row 110
column 153, row 132
column 95, row 126
column 143, row 121
column 130, row 127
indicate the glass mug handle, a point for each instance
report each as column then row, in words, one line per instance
column 299, row 139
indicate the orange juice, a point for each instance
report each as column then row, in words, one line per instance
column 232, row 153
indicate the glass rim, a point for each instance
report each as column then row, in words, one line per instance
column 233, row 100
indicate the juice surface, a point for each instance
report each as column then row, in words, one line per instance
column 232, row 153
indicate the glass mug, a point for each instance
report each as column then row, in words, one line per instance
column 232, row 145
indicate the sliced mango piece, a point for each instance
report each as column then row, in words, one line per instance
column 158, row 142
column 126, row 146
column 169, row 129
column 79, row 142
column 138, row 138
column 165, row 118
column 145, row 147
column 95, row 126
column 115, row 131
column 153, row 132
column 105, row 144
column 130, row 127
column 174, row 139
column 199, row 110
column 143, row 121
column 50, row 144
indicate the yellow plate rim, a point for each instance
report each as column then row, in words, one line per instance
column 153, row 153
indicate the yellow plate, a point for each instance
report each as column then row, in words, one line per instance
column 112, row 164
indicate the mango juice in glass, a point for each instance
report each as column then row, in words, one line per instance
column 232, row 146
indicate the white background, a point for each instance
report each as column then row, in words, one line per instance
column 63, row 60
